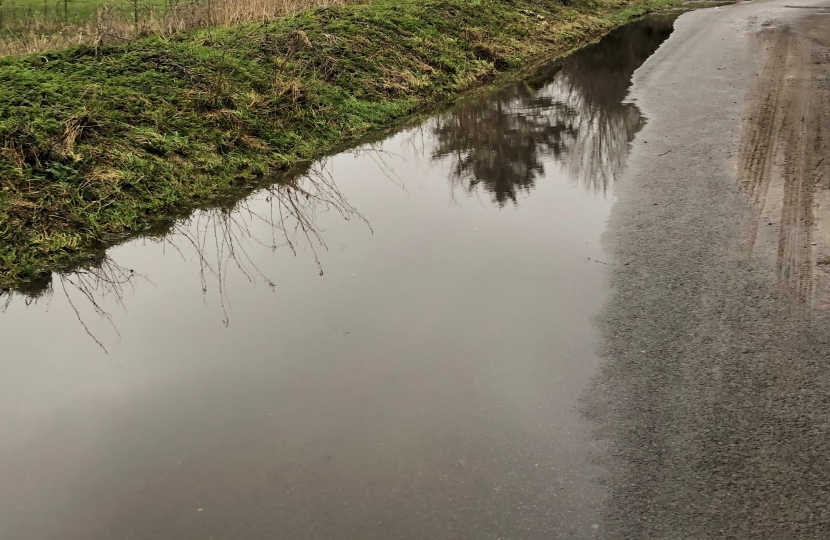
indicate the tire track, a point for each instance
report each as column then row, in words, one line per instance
column 783, row 158
column 763, row 121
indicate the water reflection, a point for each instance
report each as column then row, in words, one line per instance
column 219, row 239
column 572, row 111
column 425, row 388
column 570, row 114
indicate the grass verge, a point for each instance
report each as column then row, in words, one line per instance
column 99, row 145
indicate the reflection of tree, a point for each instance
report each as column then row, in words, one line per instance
column 572, row 111
column 499, row 142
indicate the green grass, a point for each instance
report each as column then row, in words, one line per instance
column 96, row 146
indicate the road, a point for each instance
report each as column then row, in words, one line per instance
column 715, row 396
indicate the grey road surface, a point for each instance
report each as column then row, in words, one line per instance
column 715, row 396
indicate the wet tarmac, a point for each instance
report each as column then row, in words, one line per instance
column 713, row 394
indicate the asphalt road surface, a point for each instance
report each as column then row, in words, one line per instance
column 715, row 397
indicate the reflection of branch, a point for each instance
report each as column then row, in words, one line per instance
column 378, row 155
column 221, row 237
column 6, row 303
column 80, row 319
column 597, row 155
column 106, row 279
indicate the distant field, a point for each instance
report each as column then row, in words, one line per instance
column 28, row 26
column 15, row 11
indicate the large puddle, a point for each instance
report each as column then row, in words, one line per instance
column 391, row 346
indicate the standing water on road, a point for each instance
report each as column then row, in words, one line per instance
column 391, row 345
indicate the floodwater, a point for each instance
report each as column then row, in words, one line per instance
column 392, row 345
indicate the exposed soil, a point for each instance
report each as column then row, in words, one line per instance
column 783, row 159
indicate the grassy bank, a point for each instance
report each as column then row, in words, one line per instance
column 98, row 145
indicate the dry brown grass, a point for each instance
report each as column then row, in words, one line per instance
column 111, row 26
